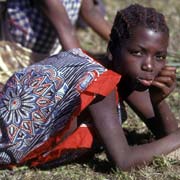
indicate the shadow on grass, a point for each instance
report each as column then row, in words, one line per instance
column 92, row 159
column 135, row 138
column 89, row 159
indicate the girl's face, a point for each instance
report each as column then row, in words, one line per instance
column 142, row 57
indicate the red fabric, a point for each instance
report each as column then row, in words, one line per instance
column 108, row 81
column 81, row 137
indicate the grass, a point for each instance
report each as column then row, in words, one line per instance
column 98, row 168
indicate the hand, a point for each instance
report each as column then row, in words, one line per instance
column 163, row 84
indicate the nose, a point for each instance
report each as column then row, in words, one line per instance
column 147, row 64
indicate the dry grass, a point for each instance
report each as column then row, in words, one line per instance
column 162, row 168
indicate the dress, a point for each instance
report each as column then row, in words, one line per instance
column 39, row 103
column 28, row 26
column 26, row 34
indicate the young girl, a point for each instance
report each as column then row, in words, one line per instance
column 40, row 104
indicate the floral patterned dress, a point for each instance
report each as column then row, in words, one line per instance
column 38, row 104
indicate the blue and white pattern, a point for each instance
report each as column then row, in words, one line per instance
column 38, row 101
column 29, row 27
column 72, row 8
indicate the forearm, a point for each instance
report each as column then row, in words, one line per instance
column 99, row 25
column 109, row 129
column 163, row 122
column 165, row 115
column 95, row 19
column 144, row 154
column 128, row 157
column 158, row 117
column 146, row 112
column 68, row 39
column 57, row 14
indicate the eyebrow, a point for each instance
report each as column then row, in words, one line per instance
column 159, row 51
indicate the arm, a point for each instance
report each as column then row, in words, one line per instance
column 151, row 105
column 94, row 19
column 57, row 14
column 111, row 133
column 158, row 118
column 161, row 87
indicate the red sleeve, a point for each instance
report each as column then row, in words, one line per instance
column 103, row 85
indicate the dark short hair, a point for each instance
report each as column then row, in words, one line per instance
column 133, row 16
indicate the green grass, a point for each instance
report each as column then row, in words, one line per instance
column 98, row 168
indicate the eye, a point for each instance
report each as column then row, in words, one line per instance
column 136, row 53
column 160, row 57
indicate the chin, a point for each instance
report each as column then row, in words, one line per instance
column 141, row 87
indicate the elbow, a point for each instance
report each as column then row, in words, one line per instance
column 124, row 165
column 128, row 161
column 128, row 165
column 124, row 162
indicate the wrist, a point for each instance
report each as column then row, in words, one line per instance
column 156, row 101
column 158, row 105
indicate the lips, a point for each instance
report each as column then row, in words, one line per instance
column 145, row 82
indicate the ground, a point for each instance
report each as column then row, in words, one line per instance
column 98, row 168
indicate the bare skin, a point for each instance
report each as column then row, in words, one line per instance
column 154, row 110
column 111, row 133
column 164, row 83
column 142, row 62
column 57, row 14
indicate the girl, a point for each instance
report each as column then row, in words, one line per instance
column 40, row 104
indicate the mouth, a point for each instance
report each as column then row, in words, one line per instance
column 145, row 82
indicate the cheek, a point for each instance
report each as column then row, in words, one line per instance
column 132, row 68
column 128, row 65
column 159, row 67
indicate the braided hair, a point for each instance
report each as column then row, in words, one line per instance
column 133, row 16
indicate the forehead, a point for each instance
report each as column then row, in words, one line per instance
column 145, row 35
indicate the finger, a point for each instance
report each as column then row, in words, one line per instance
column 160, row 85
column 168, row 73
column 164, row 87
column 168, row 81
column 173, row 68
column 169, row 68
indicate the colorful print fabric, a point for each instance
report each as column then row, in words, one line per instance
column 38, row 101
column 29, row 27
